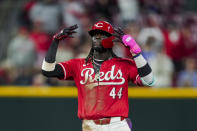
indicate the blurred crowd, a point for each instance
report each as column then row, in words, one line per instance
column 165, row 30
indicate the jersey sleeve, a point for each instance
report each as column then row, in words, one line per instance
column 68, row 68
column 133, row 73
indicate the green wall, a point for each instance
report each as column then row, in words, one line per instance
column 60, row 114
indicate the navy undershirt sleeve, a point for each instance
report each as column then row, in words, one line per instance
column 50, row 58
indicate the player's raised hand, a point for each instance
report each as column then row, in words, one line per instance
column 119, row 33
column 65, row 33
column 127, row 40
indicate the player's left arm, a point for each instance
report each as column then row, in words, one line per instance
column 144, row 69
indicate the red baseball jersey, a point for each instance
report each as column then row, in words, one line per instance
column 104, row 94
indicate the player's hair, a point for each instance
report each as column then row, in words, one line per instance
column 89, row 58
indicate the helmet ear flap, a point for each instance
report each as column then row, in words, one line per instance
column 108, row 42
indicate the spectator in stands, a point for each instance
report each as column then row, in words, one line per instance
column 105, row 9
column 21, row 50
column 21, row 57
column 189, row 30
column 188, row 77
column 152, row 28
column 48, row 14
column 174, row 45
column 163, row 7
column 23, row 18
column 162, row 65
column 72, row 11
column 129, row 10
column 163, row 69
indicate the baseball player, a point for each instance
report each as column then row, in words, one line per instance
column 102, row 77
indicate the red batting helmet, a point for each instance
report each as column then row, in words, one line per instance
column 107, row 29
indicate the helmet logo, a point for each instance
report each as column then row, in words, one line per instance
column 99, row 25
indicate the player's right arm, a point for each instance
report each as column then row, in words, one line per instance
column 49, row 66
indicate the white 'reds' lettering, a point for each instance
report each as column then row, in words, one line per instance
column 87, row 75
column 88, row 78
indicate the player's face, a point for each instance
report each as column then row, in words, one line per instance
column 96, row 41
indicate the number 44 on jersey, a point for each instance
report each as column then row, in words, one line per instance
column 113, row 93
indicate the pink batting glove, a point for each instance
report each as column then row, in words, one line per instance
column 129, row 41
